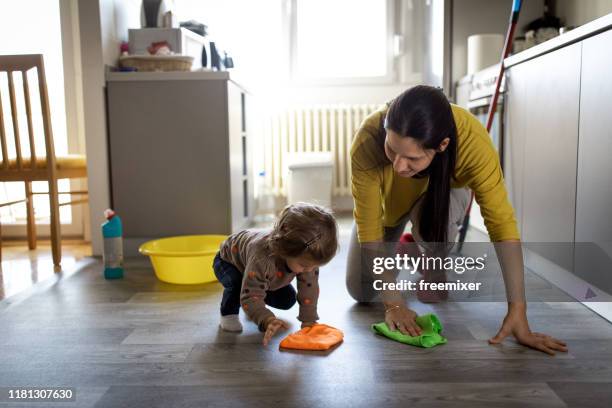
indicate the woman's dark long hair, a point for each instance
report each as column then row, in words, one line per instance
column 423, row 113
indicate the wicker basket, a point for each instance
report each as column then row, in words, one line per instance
column 148, row 63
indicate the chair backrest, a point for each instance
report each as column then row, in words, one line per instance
column 23, row 63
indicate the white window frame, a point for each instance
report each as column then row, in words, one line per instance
column 291, row 10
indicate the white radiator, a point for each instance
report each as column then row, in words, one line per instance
column 312, row 129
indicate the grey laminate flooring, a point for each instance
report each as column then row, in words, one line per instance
column 138, row 342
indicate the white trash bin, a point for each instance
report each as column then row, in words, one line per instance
column 309, row 178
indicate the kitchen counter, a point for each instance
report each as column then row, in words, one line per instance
column 118, row 76
column 578, row 34
column 167, row 76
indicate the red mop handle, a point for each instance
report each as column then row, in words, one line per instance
column 516, row 10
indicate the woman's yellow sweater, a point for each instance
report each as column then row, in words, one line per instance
column 382, row 197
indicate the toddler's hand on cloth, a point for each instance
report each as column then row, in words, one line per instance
column 273, row 325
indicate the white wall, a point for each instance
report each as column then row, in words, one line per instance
column 491, row 16
column 73, row 91
column 94, row 123
column 311, row 95
column 578, row 12
column 484, row 17
column 116, row 16
column 102, row 25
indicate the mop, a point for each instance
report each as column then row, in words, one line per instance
column 514, row 16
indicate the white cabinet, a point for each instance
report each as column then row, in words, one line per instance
column 593, row 252
column 514, row 137
column 179, row 154
column 551, row 141
column 543, row 111
column 558, row 167
column 594, row 196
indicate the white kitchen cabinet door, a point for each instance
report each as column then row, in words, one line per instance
column 514, row 137
column 593, row 248
column 551, row 142
column 541, row 140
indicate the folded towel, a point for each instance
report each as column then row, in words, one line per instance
column 316, row 337
column 430, row 332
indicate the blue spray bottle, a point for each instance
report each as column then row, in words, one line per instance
column 112, row 231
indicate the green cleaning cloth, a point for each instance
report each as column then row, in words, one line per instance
column 430, row 332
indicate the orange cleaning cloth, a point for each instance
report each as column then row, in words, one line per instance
column 316, row 337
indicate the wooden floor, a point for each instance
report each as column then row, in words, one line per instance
column 137, row 342
column 22, row 268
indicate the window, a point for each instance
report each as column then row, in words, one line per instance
column 335, row 39
column 20, row 38
column 272, row 41
column 250, row 31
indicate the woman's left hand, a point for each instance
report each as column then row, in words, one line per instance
column 515, row 323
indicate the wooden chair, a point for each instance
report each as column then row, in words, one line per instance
column 47, row 167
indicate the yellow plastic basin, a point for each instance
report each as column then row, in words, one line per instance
column 185, row 260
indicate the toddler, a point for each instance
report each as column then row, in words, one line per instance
column 256, row 268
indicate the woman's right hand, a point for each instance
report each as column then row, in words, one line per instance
column 273, row 326
column 399, row 317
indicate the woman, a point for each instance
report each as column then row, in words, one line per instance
column 414, row 160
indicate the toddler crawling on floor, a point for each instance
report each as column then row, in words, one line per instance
column 256, row 268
